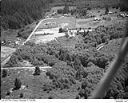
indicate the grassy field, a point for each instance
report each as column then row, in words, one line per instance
column 58, row 22
column 5, row 51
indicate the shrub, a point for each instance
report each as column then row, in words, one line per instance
column 106, row 10
column 84, row 84
column 64, row 83
column 84, row 73
column 51, row 75
column 90, row 64
column 94, row 75
column 78, row 75
column 77, row 64
column 60, row 30
column 82, row 93
column 48, row 86
column 60, row 11
column 83, row 57
column 4, row 73
column 8, row 93
column 99, row 59
column 66, row 35
column 72, row 80
column 37, row 71
column 17, row 84
column 77, row 97
column 21, row 95
column 81, row 73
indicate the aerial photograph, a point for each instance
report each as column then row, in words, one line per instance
column 64, row 49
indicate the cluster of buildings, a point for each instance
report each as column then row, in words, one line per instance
column 11, row 43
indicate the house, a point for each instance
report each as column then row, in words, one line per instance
column 55, row 9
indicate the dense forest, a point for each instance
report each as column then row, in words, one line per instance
column 18, row 13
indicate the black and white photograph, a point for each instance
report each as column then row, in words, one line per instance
column 64, row 50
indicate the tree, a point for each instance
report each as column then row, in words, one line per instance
column 106, row 10
column 84, row 84
column 60, row 11
column 66, row 9
column 4, row 73
column 21, row 95
column 83, row 93
column 77, row 97
column 60, row 30
column 17, row 84
column 37, row 71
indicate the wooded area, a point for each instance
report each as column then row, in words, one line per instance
column 18, row 13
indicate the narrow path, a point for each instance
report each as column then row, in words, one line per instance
column 31, row 68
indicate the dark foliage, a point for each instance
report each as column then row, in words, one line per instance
column 60, row 11
column 77, row 97
column 51, row 75
column 4, row 73
column 24, row 33
column 66, row 9
column 8, row 93
column 21, row 95
column 82, row 93
column 37, row 71
column 61, row 30
column 17, row 84
column 48, row 87
column 84, row 84
column 15, row 14
column 82, row 11
column 106, row 10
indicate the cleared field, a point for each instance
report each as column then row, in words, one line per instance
column 51, row 26
column 57, row 22
column 47, row 38
column 6, row 51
